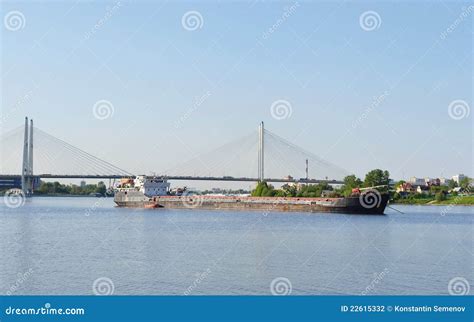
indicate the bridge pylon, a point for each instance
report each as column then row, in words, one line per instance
column 27, row 180
column 261, row 154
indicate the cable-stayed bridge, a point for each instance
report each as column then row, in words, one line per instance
column 29, row 154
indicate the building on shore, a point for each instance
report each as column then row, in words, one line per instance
column 435, row 181
column 423, row 190
column 444, row 181
column 417, row 181
column 405, row 187
column 458, row 178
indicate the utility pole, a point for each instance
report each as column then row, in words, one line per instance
column 259, row 154
column 307, row 169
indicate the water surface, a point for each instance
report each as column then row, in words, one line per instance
column 62, row 245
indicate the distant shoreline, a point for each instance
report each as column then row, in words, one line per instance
column 67, row 195
column 452, row 201
column 408, row 202
column 430, row 204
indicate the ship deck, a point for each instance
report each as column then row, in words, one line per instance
column 260, row 200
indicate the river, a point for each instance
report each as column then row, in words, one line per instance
column 68, row 245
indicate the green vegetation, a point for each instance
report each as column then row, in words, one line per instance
column 314, row 190
column 464, row 183
column 449, row 200
column 375, row 177
column 458, row 200
column 264, row 189
column 442, row 194
column 225, row 191
column 418, row 201
column 351, row 182
column 452, row 184
column 56, row 188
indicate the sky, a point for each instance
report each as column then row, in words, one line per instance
column 148, row 85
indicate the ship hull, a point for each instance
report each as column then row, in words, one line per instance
column 349, row 205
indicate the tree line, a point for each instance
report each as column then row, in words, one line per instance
column 48, row 188
column 376, row 177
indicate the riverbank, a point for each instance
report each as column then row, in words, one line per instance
column 455, row 200
column 70, row 195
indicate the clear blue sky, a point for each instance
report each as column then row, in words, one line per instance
column 318, row 58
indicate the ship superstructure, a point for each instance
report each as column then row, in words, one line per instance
column 148, row 186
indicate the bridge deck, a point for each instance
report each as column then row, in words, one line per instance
column 190, row 178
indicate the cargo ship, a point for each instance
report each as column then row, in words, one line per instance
column 154, row 192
